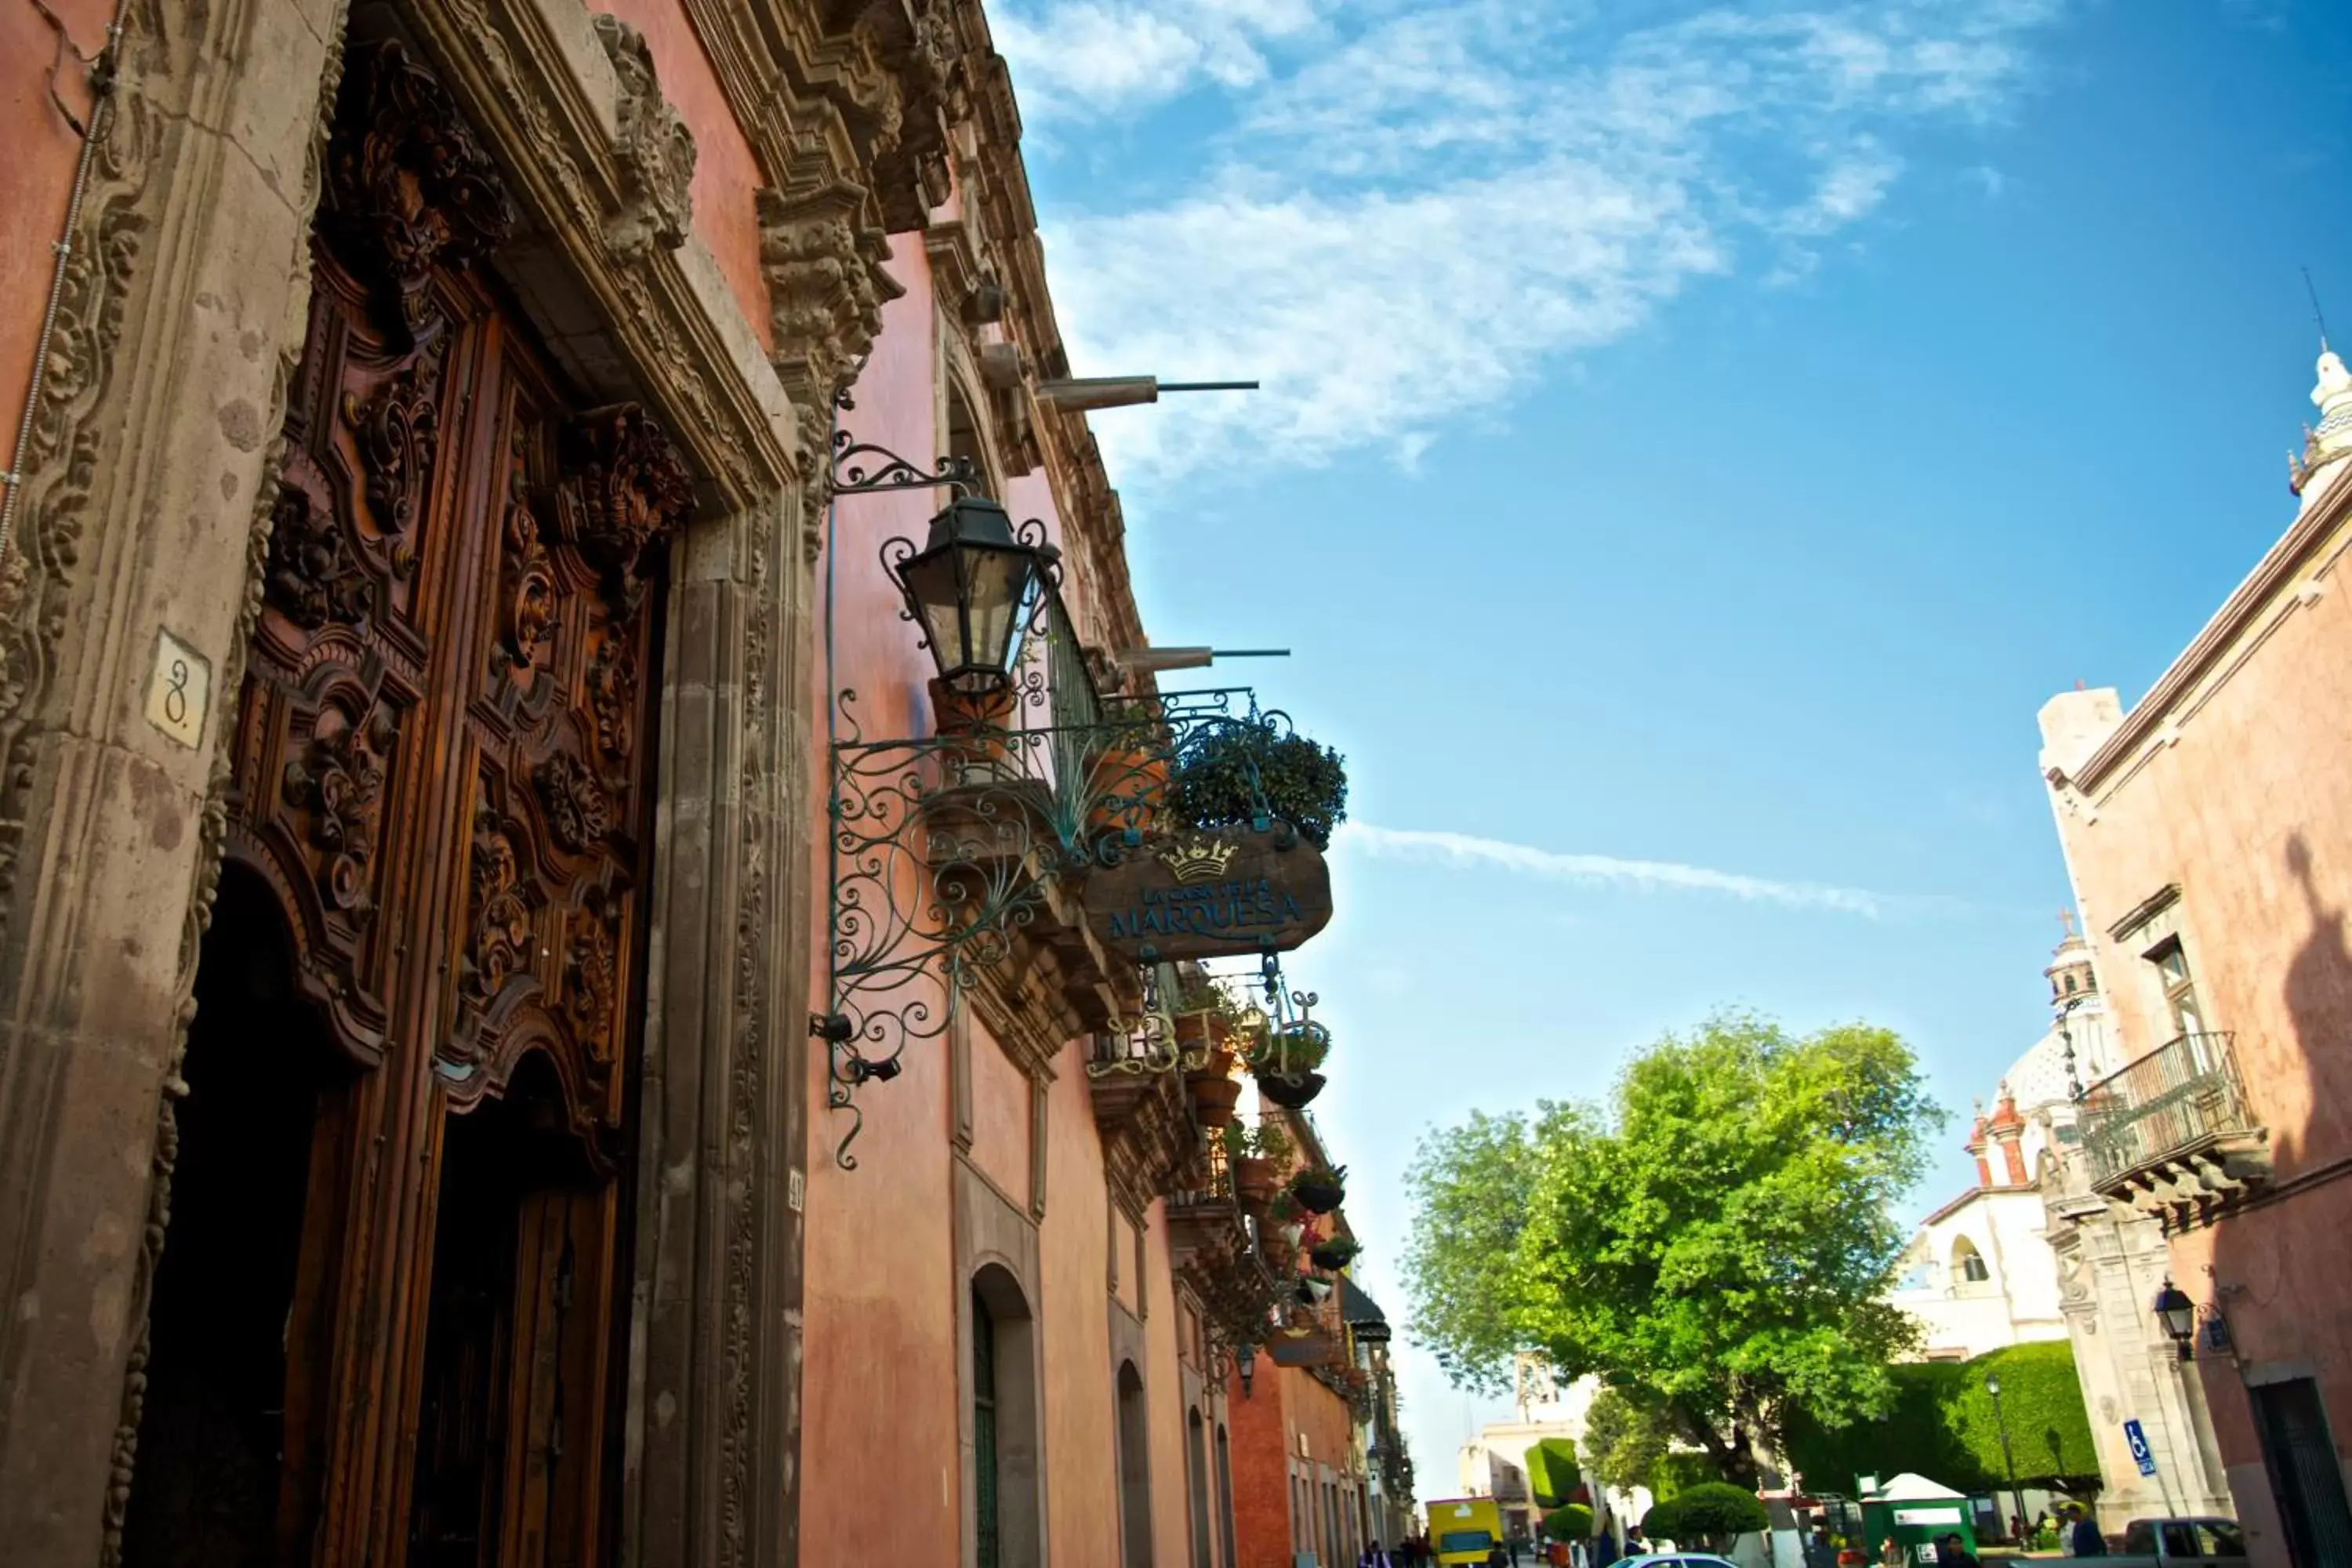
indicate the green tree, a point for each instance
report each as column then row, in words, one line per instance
column 1553, row 1471
column 1715, row 1241
column 1626, row 1441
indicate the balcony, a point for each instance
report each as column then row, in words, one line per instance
column 2172, row 1134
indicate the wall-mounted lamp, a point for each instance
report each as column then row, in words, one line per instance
column 2178, row 1313
column 1245, row 1362
column 973, row 588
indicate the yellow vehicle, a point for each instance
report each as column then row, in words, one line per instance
column 1462, row 1530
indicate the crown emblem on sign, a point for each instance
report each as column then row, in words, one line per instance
column 1197, row 859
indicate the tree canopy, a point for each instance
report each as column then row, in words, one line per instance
column 1941, row 1425
column 1713, row 1243
column 1626, row 1441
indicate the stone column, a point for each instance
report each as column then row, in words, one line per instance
column 122, row 606
column 714, row 1353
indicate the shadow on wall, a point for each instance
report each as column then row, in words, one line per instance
column 2271, row 1268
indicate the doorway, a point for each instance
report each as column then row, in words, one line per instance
column 230, row 1440
column 508, row 1417
column 2305, row 1475
column 1134, row 1470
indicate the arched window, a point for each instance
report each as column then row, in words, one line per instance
column 1134, row 1468
column 1969, row 1264
column 983, row 1429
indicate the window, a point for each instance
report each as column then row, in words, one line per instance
column 2217, row 1538
column 983, row 1429
column 1969, row 1264
column 2172, row 961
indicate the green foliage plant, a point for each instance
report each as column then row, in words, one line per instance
column 1627, row 1442
column 1261, row 1140
column 1226, row 774
column 1716, row 1240
column 1710, row 1514
column 1553, row 1471
column 1571, row 1522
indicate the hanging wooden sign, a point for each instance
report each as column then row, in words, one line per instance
column 1213, row 894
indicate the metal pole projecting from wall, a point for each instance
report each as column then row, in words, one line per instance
column 102, row 84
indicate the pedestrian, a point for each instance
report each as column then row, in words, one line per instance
column 2085, row 1539
column 1496, row 1557
column 1819, row 1552
column 1891, row 1554
column 2017, row 1527
column 1604, row 1549
column 1952, row 1551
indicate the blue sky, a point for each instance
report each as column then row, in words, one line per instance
column 1695, row 440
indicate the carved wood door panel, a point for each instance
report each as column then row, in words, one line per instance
column 444, row 769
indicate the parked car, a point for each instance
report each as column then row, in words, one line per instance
column 1678, row 1559
column 2180, row 1544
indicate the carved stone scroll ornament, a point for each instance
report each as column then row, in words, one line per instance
column 412, row 188
column 625, row 489
column 822, row 256
column 655, row 150
column 338, row 781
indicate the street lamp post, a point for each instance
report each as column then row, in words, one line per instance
column 2008, row 1463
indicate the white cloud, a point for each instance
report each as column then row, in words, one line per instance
column 1609, row 870
column 1414, row 206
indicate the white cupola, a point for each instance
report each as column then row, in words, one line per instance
column 2330, row 442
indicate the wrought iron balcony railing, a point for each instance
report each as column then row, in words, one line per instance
column 2180, row 1102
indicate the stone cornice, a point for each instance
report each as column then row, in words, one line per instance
column 528, row 84
column 2237, row 630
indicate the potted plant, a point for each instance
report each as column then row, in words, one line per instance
column 1215, row 1094
column 1334, row 1253
column 1285, row 1064
column 1205, row 1015
column 1252, row 1156
column 978, row 728
column 1229, row 774
column 1320, row 1189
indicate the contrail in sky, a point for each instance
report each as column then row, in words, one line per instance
column 1609, row 870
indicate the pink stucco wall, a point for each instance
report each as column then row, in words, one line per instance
column 2243, row 806
column 882, row 1378
column 35, row 178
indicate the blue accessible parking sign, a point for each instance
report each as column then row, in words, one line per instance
column 2139, row 1448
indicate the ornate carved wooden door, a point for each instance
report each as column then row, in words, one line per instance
column 443, row 767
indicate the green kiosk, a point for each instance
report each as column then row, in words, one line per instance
column 1917, row 1513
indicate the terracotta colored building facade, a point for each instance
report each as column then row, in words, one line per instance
column 2208, row 834
column 424, row 602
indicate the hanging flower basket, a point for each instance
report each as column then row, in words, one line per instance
column 1335, row 1254
column 1320, row 1191
column 1292, row 1093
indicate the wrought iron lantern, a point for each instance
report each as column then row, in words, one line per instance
column 973, row 588
column 1245, row 1362
column 2178, row 1313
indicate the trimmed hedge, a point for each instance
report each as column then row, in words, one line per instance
column 1552, row 1472
column 1941, row 1425
column 1573, row 1522
column 1711, row 1513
